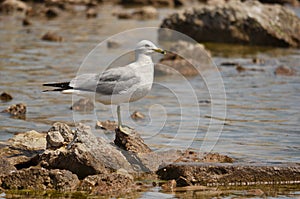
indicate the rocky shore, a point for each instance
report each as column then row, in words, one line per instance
column 74, row 160
column 238, row 22
column 248, row 23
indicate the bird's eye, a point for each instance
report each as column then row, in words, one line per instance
column 147, row 45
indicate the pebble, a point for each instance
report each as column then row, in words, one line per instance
column 136, row 115
column 5, row 97
column 51, row 36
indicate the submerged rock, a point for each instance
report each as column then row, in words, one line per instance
column 84, row 104
column 184, row 58
column 248, row 22
column 136, row 115
column 16, row 110
column 285, row 71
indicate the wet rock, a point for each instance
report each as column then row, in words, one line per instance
column 131, row 141
column 247, row 22
column 5, row 97
column 10, row 6
column 285, row 71
column 144, row 13
column 107, row 125
column 16, row 110
column 51, row 36
column 91, row 13
column 108, row 184
column 84, row 104
column 35, row 178
column 136, row 115
column 184, row 58
column 85, row 155
column 215, row 174
column 155, row 3
column 113, row 44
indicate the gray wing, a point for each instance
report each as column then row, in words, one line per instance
column 112, row 81
column 116, row 81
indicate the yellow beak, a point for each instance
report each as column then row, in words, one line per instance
column 159, row 50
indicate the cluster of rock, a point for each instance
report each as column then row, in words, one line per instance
column 75, row 160
column 248, row 22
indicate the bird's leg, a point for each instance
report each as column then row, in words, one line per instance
column 119, row 116
column 120, row 127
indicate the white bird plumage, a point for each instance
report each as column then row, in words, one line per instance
column 117, row 85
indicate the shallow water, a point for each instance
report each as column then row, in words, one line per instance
column 262, row 114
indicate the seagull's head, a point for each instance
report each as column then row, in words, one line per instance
column 147, row 47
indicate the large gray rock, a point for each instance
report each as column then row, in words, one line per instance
column 250, row 23
column 23, row 147
column 85, row 155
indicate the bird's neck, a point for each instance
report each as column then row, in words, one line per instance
column 142, row 57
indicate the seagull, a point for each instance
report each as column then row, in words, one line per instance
column 119, row 85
